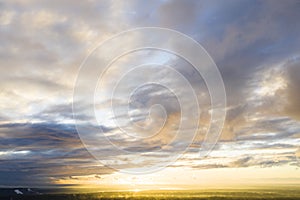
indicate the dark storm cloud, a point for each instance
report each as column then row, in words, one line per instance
column 40, row 154
column 49, row 134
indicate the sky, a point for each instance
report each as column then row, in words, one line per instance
column 144, row 97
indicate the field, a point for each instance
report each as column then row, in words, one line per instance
column 246, row 194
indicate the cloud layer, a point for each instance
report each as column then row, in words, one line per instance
column 255, row 44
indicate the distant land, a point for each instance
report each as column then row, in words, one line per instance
column 83, row 194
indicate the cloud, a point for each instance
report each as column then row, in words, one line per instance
column 297, row 153
column 254, row 43
column 242, row 162
column 178, row 13
column 293, row 105
column 43, row 153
